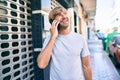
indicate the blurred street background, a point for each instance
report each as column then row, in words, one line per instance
column 24, row 25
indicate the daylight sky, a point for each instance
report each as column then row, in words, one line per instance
column 104, row 10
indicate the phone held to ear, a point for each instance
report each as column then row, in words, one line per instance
column 58, row 27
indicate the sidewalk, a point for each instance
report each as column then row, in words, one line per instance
column 102, row 67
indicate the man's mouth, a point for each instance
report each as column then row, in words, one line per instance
column 64, row 20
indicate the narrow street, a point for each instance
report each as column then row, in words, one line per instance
column 102, row 67
column 25, row 24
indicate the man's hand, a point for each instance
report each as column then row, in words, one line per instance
column 53, row 29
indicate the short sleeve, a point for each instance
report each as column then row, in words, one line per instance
column 45, row 42
column 85, row 50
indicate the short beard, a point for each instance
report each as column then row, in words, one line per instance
column 63, row 27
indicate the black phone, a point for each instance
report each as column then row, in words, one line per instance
column 58, row 24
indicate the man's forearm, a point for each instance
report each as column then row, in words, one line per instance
column 87, row 68
column 44, row 56
column 88, row 73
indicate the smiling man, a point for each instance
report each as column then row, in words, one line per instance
column 66, row 51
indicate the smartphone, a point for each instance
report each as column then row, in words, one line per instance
column 58, row 27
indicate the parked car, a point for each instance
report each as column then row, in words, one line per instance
column 109, row 38
column 114, row 49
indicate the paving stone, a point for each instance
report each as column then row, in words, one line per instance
column 102, row 67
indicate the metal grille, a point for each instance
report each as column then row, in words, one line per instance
column 16, row 57
column 54, row 4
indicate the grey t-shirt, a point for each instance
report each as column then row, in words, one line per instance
column 65, row 63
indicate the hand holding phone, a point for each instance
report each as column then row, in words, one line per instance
column 57, row 18
column 53, row 29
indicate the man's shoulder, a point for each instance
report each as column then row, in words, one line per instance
column 78, row 34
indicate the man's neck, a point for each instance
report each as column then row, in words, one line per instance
column 64, row 31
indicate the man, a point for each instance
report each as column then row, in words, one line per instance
column 66, row 51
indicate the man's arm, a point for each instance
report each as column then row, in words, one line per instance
column 87, row 68
column 45, row 55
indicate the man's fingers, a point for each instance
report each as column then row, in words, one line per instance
column 55, row 23
column 58, row 18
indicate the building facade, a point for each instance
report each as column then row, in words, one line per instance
column 16, row 56
column 23, row 28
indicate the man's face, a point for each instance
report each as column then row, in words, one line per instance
column 63, row 18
